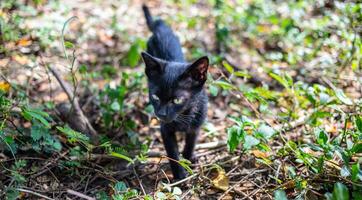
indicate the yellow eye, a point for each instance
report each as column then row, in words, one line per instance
column 155, row 97
column 178, row 100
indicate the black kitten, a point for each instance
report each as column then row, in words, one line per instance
column 175, row 90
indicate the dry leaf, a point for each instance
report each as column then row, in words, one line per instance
column 3, row 15
column 4, row 86
column 24, row 42
column 154, row 122
column 21, row 59
column 349, row 125
column 289, row 184
column 61, row 97
column 331, row 128
column 221, row 181
column 259, row 154
column 4, row 62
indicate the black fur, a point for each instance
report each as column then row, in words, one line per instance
column 175, row 90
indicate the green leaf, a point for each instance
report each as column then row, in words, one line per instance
column 324, row 98
column 213, row 90
column 118, row 155
column 133, row 55
column 344, row 171
column 340, row 192
column 120, row 186
column 224, row 85
column 357, row 148
column 356, row 172
column 186, row 165
column 37, row 132
column 177, row 191
column 265, row 131
column 280, row 195
column 57, row 145
column 235, row 135
column 228, row 67
column 342, row 97
column 359, row 123
column 115, row 106
column 250, row 141
column 68, row 45
column 161, row 195
column 73, row 136
column 280, row 79
column 39, row 115
column 241, row 74
column 321, row 136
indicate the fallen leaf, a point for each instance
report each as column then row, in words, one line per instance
column 4, row 86
column 61, row 97
column 3, row 15
column 349, row 125
column 21, row 59
column 4, row 62
column 259, row 154
column 221, row 181
column 331, row 128
column 23, row 42
column 154, row 122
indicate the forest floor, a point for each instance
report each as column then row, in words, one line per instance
column 263, row 101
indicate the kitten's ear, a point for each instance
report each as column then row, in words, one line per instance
column 153, row 65
column 197, row 71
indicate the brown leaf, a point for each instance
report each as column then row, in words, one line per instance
column 259, row 154
column 23, row 42
column 21, row 59
column 4, row 62
column 221, row 181
column 61, row 97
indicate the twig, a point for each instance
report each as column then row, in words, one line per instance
column 75, row 104
column 62, row 36
column 81, row 195
column 34, row 193
column 139, row 181
column 211, row 145
column 232, row 187
column 183, row 180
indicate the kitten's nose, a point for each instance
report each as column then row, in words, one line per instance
column 162, row 113
column 161, row 116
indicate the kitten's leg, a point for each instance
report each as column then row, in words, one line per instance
column 190, row 143
column 170, row 143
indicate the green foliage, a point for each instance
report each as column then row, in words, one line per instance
column 249, row 134
column 74, row 136
column 280, row 195
column 340, row 192
column 133, row 55
column 31, row 114
column 112, row 101
column 169, row 193
column 303, row 47
column 122, row 192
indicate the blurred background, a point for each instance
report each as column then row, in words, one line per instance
column 284, row 85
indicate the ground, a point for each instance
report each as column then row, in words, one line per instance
column 284, row 86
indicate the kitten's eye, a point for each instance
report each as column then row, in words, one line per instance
column 155, row 97
column 178, row 100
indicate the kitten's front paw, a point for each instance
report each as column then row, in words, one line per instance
column 179, row 175
column 191, row 158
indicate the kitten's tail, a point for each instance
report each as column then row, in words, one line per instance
column 148, row 17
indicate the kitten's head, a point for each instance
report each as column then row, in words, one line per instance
column 174, row 86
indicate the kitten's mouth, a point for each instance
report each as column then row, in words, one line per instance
column 164, row 120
